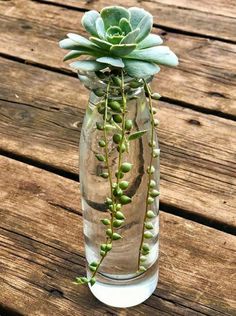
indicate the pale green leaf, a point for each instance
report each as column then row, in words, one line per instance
column 160, row 55
column 115, row 39
column 100, row 28
column 89, row 22
column 68, row 44
column 78, row 50
column 136, row 16
column 112, row 15
column 80, row 40
column 87, row 65
column 145, row 27
column 114, row 30
column 137, row 135
column 101, row 43
column 169, row 60
column 125, row 26
column 150, row 41
column 116, row 62
column 122, row 50
column 130, row 37
column 140, row 69
column 76, row 53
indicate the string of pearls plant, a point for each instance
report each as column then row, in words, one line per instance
column 152, row 193
column 120, row 46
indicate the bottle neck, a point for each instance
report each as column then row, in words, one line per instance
column 98, row 86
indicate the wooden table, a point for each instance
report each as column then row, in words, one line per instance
column 42, row 105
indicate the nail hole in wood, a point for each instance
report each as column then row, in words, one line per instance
column 163, row 33
column 56, row 293
column 194, row 122
column 216, row 94
column 26, row 27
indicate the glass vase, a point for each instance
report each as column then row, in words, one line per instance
column 119, row 281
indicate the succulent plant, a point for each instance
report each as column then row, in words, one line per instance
column 120, row 38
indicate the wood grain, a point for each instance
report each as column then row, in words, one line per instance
column 39, row 257
column 205, row 77
column 41, row 118
column 208, row 18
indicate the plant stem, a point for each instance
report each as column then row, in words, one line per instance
column 114, row 199
column 123, row 123
column 106, row 140
column 108, row 240
column 107, row 154
column 150, row 164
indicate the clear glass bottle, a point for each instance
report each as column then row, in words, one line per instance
column 118, row 282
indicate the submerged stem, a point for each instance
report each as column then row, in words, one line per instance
column 150, row 165
column 113, row 198
column 123, row 124
column 108, row 240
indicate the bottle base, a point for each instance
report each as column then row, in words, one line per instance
column 128, row 294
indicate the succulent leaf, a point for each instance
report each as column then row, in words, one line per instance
column 89, row 22
column 79, row 39
column 68, row 43
column 150, row 41
column 122, row 50
column 140, row 69
column 137, row 135
column 88, row 65
column 116, row 62
column 160, row 55
column 101, row 43
column 100, row 27
column 130, row 37
column 125, row 25
column 169, row 59
column 116, row 39
column 145, row 27
column 114, row 30
column 112, row 15
column 76, row 53
column 136, row 16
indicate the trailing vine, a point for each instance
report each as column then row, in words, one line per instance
column 117, row 196
column 152, row 193
column 116, row 112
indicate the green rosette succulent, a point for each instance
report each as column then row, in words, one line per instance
column 119, row 38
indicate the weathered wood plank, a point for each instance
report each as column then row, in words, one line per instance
column 203, row 79
column 220, row 7
column 41, row 119
column 214, row 19
column 41, row 249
